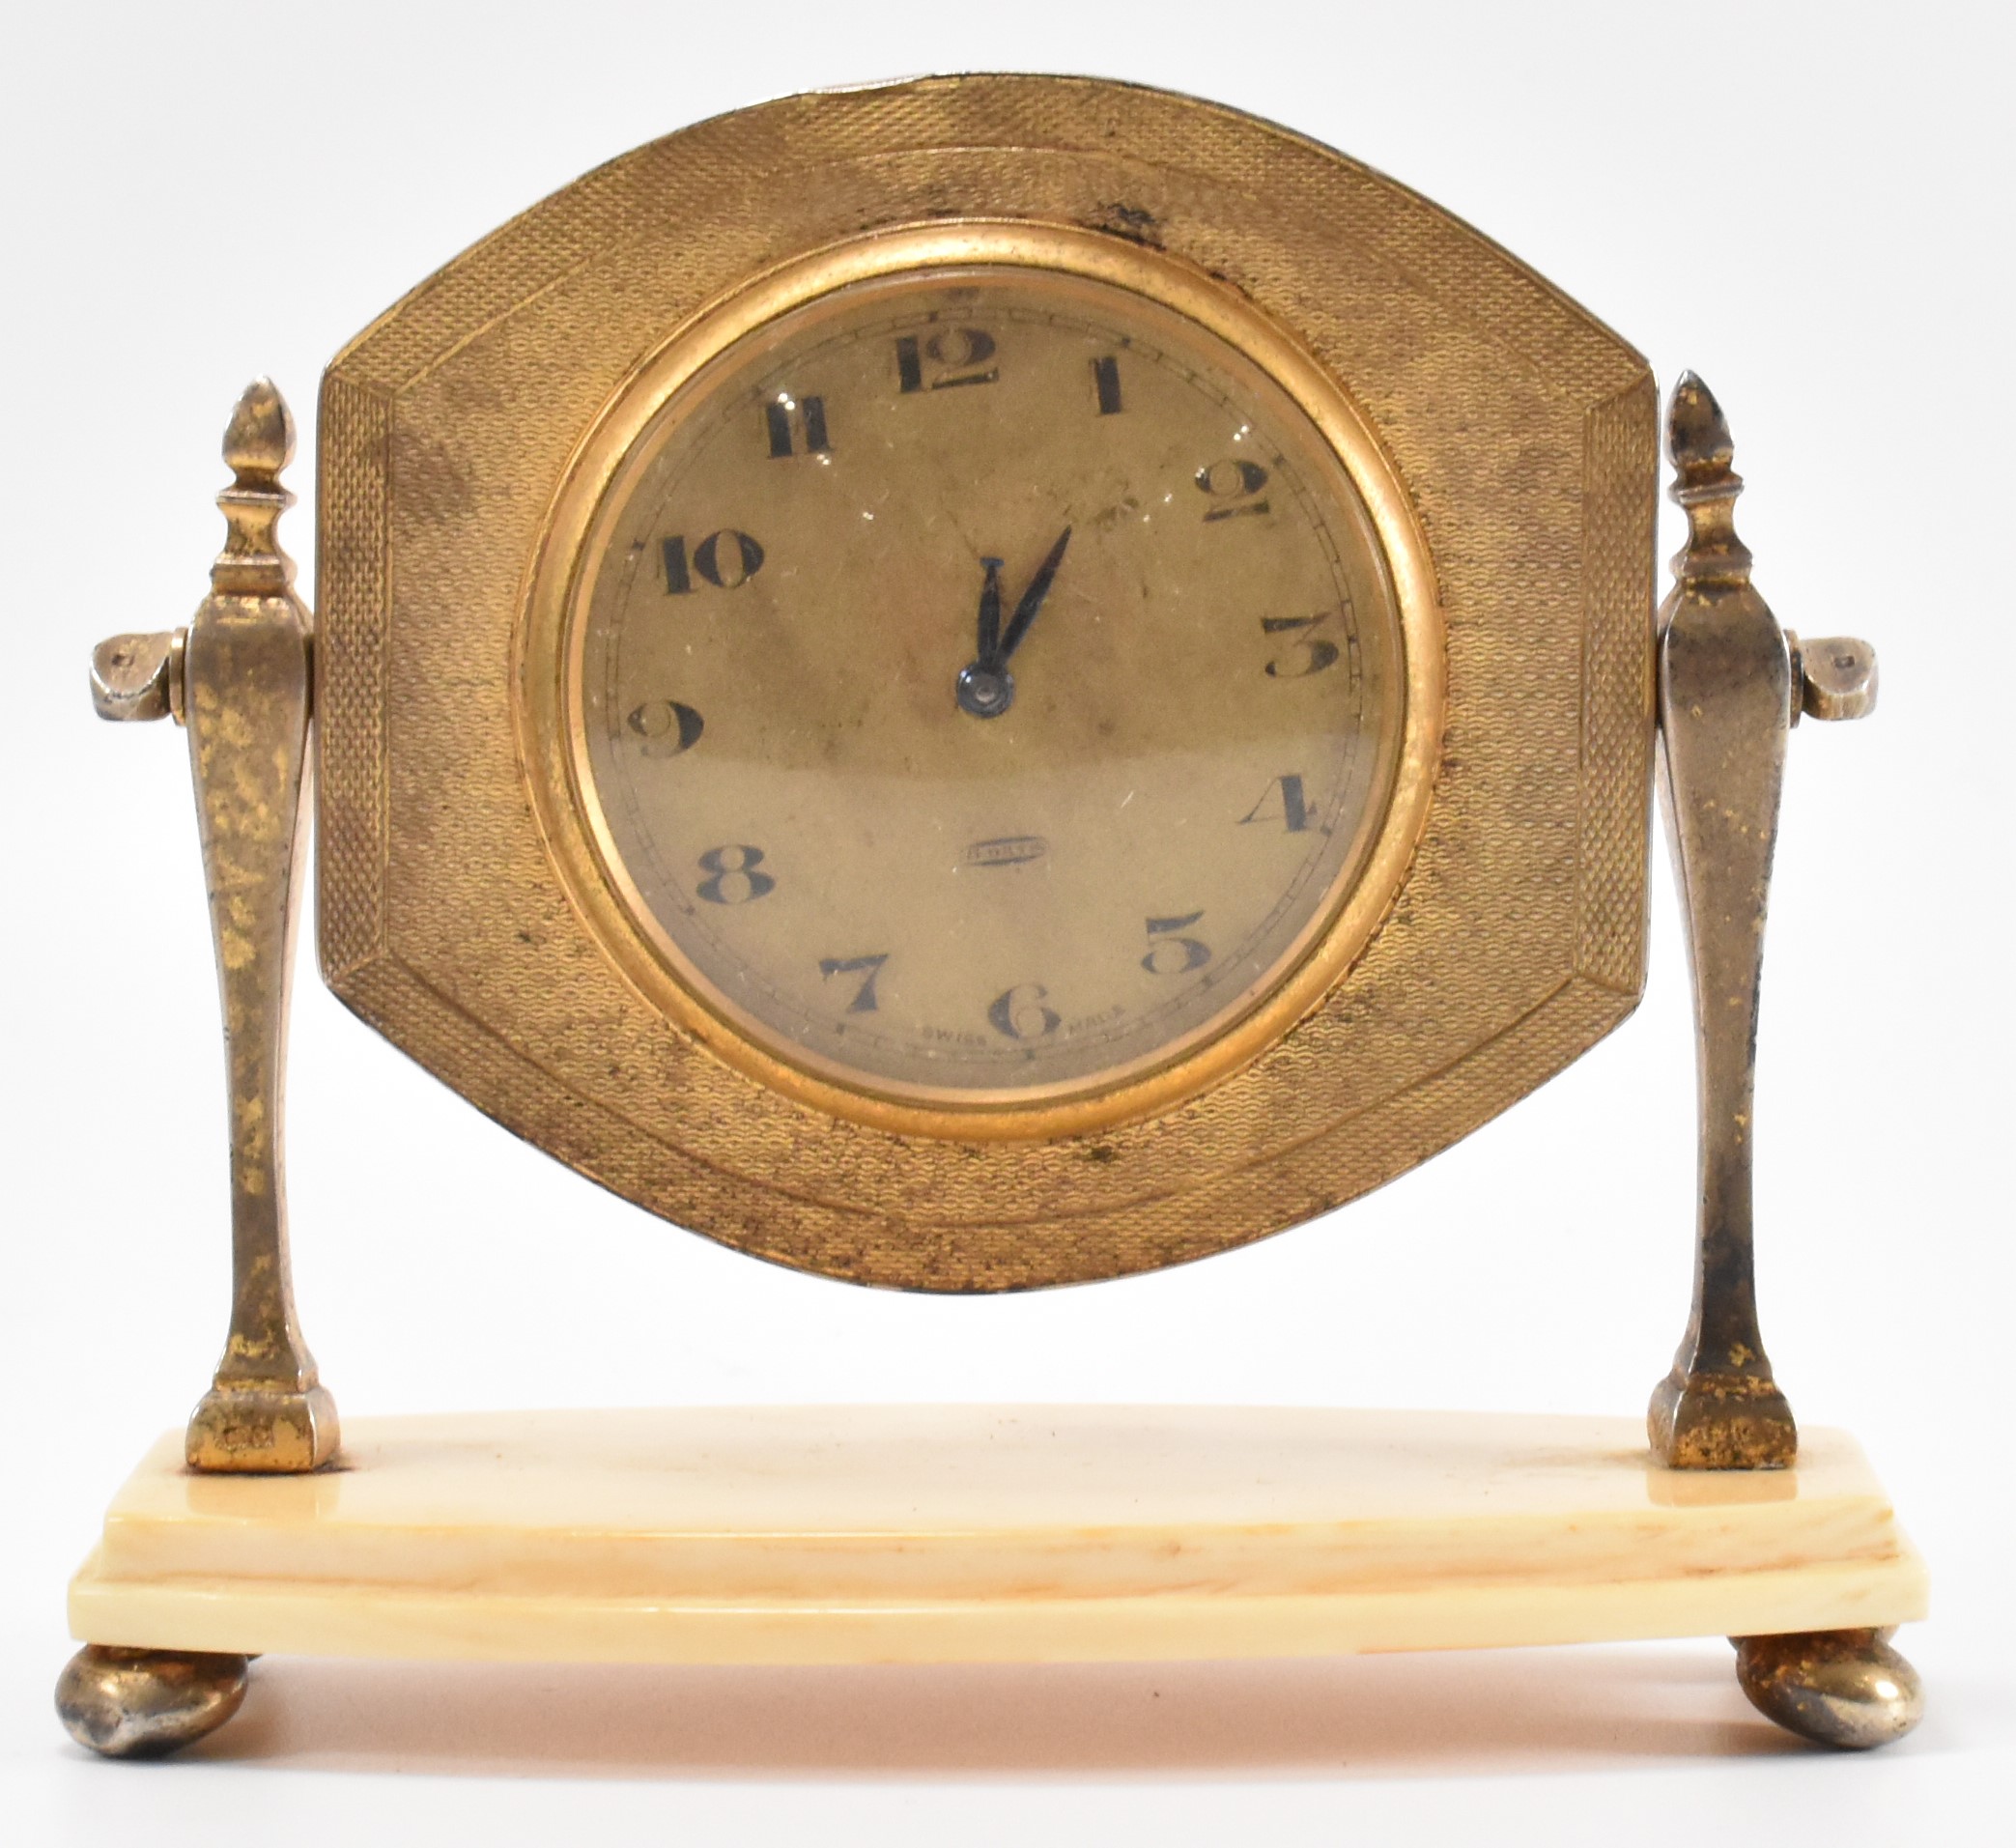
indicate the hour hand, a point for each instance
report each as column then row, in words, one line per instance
column 986, row 688
column 987, row 653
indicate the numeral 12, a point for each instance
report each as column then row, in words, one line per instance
column 955, row 356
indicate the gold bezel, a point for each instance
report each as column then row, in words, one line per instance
column 555, row 745
column 1520, row 435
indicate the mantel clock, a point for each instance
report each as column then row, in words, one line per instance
column 986, row 682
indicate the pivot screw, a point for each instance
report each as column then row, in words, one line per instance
column 1832, row 677
column 139, row 676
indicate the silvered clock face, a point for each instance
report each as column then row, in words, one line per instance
column 986, row 685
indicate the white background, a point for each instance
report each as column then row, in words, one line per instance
column 1810, row 206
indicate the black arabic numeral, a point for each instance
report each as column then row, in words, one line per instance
column 1309, row 653
column 678, row 581
column 1019, row 1013
column 866, row 967
column 1234, row 487
column 734, row 878
column 952, row 356
column 1170, row 953
column 1105, row 379
column 783, row 417
column 727, row 560
column 667, row 727
column 1281, row 801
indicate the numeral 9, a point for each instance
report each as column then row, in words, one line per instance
column 667, row 727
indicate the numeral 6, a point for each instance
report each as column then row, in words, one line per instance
column 1019, row 1012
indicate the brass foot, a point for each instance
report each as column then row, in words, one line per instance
column 139, row 1703
column 1720, row 1421
column 272, row 1430
column 1842, row 1688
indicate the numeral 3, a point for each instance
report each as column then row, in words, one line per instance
column 1309, row 654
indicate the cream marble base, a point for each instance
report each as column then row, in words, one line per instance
column 955, row 1533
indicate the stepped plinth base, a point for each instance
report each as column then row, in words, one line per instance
column 950, row 1533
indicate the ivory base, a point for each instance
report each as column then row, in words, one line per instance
column 956, row 1533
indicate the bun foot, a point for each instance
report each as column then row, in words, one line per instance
column 139, row 1703
column 1843, row 1687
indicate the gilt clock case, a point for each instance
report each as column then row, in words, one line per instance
column 455, row 914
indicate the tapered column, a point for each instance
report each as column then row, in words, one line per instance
column 1732, row 684
column 239, row 678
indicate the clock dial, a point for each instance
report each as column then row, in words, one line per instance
column 986, row 684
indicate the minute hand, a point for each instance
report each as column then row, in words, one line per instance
column 1032, row 600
